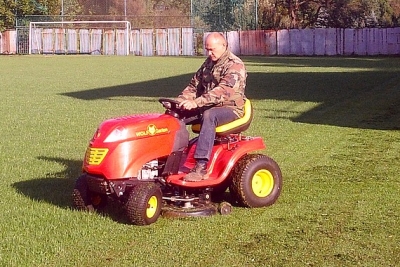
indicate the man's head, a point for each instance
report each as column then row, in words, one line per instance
column 216, row 45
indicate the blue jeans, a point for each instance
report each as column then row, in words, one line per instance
column 211, row 118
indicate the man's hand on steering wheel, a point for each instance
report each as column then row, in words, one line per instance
column 188, row 104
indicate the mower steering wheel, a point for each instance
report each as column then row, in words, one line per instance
column 170, row 104
column 173, row 109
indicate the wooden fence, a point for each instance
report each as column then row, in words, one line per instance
column 144, row 42
column 181, row 41
column 316, row 42
column 8, row 44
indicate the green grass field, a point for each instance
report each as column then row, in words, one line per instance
column 332, row 124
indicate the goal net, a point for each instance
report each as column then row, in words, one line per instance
column 79, row 37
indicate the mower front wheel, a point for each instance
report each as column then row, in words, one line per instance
column 144, row 202
column 84, row 199
column 225, row 208
column 256, row 181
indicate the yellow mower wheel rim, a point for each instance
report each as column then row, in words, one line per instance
column 151, row 207
column 262, row 183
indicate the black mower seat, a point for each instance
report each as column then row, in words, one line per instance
column 234, row 127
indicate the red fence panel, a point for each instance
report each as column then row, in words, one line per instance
column 161, row 42
column 252, row 42
column 283, row 42
column 270, row 42
column 8, row 42
column 135, row 42
column 147, row 43
column 109, row 42
column 59, row 41
column 393, row 41
column 233, row 40
column 187, row 42
column 72, row 41
column 47, row 40
column 173, row 42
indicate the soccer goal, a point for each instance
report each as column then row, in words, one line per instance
column 80, row 37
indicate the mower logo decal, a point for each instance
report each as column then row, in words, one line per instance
column 152, row 130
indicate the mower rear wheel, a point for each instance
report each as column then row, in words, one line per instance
column 84, row 199
column 144, row 202
column 256, row 181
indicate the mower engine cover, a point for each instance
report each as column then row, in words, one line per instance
column 121, row 146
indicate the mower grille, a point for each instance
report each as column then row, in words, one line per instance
column 94, row 156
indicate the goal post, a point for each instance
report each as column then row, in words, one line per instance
column 80, row 37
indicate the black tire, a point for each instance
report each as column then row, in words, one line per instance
column 143, row 206
column 83, row 199
column 225, row 208
column 256, row 181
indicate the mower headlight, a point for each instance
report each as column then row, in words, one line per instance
column 118, row 134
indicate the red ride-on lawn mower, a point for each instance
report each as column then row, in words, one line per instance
column 141, row 161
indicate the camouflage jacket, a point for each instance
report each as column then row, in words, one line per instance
column 220, row 83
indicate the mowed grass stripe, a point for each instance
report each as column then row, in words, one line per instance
column 330, row 123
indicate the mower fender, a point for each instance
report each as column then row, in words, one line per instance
column 223, row 159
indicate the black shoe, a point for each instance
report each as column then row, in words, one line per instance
column 198, row 173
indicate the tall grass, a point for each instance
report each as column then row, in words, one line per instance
column 332, row 124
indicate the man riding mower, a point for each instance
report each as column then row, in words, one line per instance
column 140, row 161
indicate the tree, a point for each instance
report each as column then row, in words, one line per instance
column 7, row 9
column 290, row 13
column 70, row 8
column 218, row 15
column 10, row 9
column 329, row 13
column 395, row 14
column 225, row 15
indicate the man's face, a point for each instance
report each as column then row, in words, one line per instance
column 215, row 48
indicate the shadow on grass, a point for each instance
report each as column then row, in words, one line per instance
column 357, row 93
column 167, row 87
column 56, row 188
